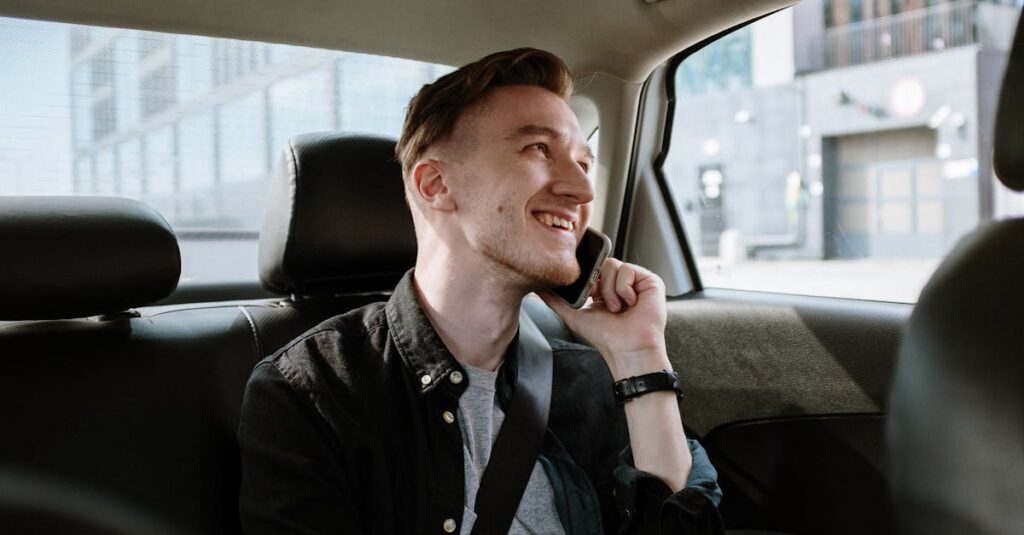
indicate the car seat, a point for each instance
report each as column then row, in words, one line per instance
column 956, row 427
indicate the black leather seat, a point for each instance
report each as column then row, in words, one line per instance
column 956, row 431
column 336, row 234
column 140, row 406
column 99, row 398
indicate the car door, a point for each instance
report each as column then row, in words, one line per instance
column 744, row 194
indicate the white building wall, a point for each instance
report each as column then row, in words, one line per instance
column 772, row 49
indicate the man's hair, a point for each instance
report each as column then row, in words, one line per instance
column 434, row 111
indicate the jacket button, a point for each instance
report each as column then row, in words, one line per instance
column 448, row 416
column 456, row 377
column 426, row 379
column 449, row 525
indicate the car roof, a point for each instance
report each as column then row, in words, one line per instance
column 625, row 39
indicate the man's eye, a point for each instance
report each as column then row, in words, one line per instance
column 585, row 166
column 540, row 147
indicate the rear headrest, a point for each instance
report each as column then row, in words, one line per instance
column 71, row 257
column 336, row 219
column 1008, row 158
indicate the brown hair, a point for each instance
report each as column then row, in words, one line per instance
column 434, row 111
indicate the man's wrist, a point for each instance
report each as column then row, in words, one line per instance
column 631, row 363
column 631, row 388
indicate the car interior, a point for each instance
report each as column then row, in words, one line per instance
column 122, row 384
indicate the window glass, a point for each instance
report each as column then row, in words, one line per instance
column 189, row 125
column 369, row 106
column 841, row 148
column 242, row 143
column 196, row 153
column 129, row 161
column 303, row 103
column 106, row 181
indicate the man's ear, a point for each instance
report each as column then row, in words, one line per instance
column 430, row 186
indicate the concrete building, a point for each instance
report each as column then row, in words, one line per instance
column 193, row 125
column 844, row 129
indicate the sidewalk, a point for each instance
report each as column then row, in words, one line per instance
column 877, row 279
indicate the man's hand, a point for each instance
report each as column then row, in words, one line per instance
column 625, row 321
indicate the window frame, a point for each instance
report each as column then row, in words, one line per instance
column 665, row 189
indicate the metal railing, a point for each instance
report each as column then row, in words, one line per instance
column 913, row 32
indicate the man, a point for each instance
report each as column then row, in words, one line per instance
column 382, row 420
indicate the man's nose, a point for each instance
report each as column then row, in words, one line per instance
column 573, row 182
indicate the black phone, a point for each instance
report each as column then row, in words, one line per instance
column 590, row 253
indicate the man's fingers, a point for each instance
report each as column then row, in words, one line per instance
column 624, row 280
column 618, row 288
column 609, row 272
column 646, row 280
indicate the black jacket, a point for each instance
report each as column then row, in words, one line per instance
column 342, row 432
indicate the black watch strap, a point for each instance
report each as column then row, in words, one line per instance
column 633, row 387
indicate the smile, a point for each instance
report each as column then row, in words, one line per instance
column 555, row 221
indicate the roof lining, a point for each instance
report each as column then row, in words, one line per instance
column 624, row 39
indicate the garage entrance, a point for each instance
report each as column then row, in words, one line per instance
column 885, row 195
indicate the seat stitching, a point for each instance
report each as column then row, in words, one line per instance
column 255, row 333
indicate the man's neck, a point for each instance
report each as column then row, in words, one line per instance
column 475, row 313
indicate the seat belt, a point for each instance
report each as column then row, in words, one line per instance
column 521, row 435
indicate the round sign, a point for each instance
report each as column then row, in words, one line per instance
column 907, row 97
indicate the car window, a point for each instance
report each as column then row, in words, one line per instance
column 189, row 125
column 840, row 148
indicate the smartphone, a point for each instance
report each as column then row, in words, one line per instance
column 590, row 253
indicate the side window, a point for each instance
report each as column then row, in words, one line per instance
column 841, row 148
column 189, row 125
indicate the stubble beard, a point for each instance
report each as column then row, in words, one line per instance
column 536, row 271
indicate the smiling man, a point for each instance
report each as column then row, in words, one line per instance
column 383, row 420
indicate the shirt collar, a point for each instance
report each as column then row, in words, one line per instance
column 425, row 355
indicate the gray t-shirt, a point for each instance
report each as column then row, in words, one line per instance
column 480, row 418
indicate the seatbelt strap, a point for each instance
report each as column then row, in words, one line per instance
column 521, row 435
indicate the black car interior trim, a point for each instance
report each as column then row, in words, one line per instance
column 823, row 473
column 787, row 393
column 69, row 257
column 210, row 292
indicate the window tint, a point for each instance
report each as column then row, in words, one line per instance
column 189, row 125
column 841, row 148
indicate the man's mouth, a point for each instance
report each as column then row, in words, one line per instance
column 555, row 221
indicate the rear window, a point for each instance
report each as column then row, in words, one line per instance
column 189, row 125
column 841, row 149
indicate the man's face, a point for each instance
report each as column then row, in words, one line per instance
column 521, row 186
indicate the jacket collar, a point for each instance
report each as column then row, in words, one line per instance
column 425, row 356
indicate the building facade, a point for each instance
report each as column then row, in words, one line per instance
column 193, row 125
column 844, row 129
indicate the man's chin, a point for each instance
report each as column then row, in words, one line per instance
column 554, row 275
column 542, row 275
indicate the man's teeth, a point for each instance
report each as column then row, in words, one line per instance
column 555, row 221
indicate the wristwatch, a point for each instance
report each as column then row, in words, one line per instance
column 633, row 387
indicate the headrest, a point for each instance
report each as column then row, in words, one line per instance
column 336, row 219
column 71, row 257
column 956, row 421
column 1008, row 158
